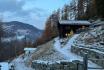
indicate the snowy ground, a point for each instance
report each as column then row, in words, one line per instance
column 66, row 51
column 56, row 53
column 4, row 66
column 19, row 64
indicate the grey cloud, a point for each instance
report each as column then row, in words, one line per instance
column 37, row 11
column 16, row 7
column 11, row 5
column 12, row 10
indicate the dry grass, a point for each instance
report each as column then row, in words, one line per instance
column 41, row 50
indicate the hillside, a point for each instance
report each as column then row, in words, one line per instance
column 50, row 53
column 93, row 37
column 21, row 30
column 16, row 36
column 53, row 51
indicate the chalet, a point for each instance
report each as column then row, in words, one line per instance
column 67, row 27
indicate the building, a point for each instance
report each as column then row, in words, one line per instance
column 67, row 27
column 29, row 50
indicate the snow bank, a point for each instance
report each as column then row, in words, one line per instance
column 66, row 50
column 19, row 64
column 4, row 66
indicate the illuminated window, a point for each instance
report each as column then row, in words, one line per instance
column 71, row 32
column 83, row 27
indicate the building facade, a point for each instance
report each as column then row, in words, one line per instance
column 68, row 27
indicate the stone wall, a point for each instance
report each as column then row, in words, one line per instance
column 92, row 54
column 63, row 65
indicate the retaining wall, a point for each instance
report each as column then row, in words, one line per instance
column 74, row 65
column 92, row 53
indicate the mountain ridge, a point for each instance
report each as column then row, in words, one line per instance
column 16, row 28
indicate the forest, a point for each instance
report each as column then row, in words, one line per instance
column 90, row 10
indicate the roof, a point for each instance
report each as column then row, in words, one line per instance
column 26, row 49
column 74, row 22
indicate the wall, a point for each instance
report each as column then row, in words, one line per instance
column 58, row 66
column 92, row 54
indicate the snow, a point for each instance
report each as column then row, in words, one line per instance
column 19, row 64
column 4, row 66
column 30, row 49
column 44, row 62
column 9, row 39
column 50, row 62
column 100, row 52
column 20, row 37
column 23, row 31
column 7, row 27
column 72, row 22
column 66, row 51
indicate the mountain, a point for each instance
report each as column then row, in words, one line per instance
column 19, row 30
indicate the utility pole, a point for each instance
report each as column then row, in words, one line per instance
column 85, row 62
column 15, row 46
column 0, row 67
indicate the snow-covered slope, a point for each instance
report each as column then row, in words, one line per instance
column 19, row 29
column 19, row 64
column 93, row 38
column 68, row 55
column 4, row 66
column 66, row 49
column 53, row 53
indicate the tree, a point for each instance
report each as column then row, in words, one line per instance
column 91, row 5
column 73, row 10
column 1, row 35
column 100, row 8
column 65, row 12
column 51, row 30
column 51, row 26
column 80, row 9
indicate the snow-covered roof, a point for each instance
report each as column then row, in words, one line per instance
column 4, row 66
column 29, row 49
column 75, row 22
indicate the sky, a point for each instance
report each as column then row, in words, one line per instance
column 34, row 12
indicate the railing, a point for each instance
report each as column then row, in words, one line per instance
column 85, row 62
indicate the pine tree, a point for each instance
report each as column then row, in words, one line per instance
column 1, row 35
column 65, row 12
column 100, row 8
column 91, row 5
column 73, row 10
column 80, row 9
column 50, row 28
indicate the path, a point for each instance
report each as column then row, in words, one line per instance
column 66, row 51
column 19, row 64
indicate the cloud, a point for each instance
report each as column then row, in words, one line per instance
column 23, row 11
column 34, row 12
column 11, row 5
